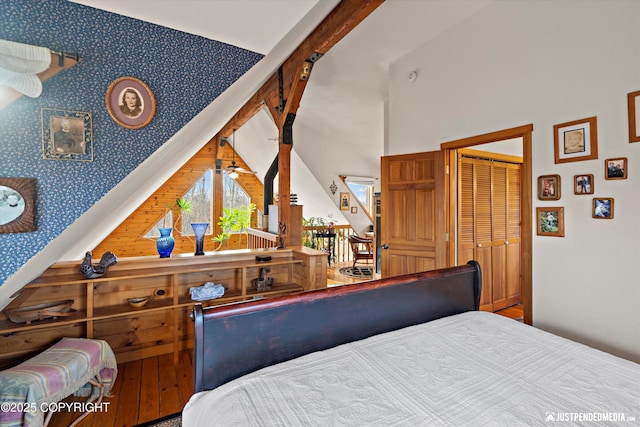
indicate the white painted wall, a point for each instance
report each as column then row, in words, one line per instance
column 515, row 63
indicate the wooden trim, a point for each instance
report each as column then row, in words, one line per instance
column 526, row 192
column 486, row 138
column 634, row 127
column 489, row 155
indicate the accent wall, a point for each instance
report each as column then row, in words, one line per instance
column 184, row 72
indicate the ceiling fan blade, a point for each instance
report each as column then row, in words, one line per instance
column 238, row 169
column 243, row 170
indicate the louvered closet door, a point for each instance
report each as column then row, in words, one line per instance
column 489, row 227
column 513, row 246
column 474, row 220
column 505, row 256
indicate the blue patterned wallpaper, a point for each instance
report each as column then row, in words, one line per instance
column 185, row 73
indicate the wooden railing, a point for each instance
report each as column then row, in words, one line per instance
column 261, row 239
column 341, row 251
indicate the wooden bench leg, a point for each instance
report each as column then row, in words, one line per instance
column 96, row 383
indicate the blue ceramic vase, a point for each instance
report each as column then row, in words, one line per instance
column 199, row 229
column 164, row 243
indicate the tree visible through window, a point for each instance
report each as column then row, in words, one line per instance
column 201, row 198
column 234, row 196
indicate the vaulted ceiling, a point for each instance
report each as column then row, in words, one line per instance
column 339, row 129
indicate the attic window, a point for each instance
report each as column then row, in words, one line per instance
column 362, row 188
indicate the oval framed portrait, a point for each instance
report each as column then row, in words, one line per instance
column 130, row 102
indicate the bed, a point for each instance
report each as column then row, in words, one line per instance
column 409, row 350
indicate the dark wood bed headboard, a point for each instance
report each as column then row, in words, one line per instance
column 234, row 340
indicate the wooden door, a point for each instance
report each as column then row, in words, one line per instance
column 414, row 214
column 489, row 227
column 505, row 230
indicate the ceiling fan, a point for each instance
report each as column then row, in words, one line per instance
column 233, row 169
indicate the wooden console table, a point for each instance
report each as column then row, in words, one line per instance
column 162, row 325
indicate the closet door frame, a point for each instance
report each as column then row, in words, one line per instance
column 525, row 134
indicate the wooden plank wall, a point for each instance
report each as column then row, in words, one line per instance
column 128, row 240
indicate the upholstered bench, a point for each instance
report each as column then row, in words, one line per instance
column 29, row 389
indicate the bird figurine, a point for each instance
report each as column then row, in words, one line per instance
column 91, row 271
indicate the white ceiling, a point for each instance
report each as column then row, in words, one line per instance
column 339, row 129
column 255, row 25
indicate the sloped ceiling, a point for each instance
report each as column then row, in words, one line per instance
column 256, row 25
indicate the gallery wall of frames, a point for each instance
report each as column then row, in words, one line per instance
column 577, row 141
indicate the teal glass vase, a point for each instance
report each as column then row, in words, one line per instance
column 199, row 229
column 165, row 243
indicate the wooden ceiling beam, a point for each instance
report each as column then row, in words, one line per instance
column 282, row 92
column 340, row 21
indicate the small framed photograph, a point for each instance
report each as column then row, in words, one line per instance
column 130, row 102
column 67, row 135
column 602, row 208
column 549, row 187
column 633, row 101
column 583, row 184
column 354, row 209
column 576, row 141
column 17, row 205
column 615, row 168
column 550, row 221
column 345, row 201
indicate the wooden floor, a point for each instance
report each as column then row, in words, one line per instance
column 153, row 388
column 144, row 390
column 515, row 312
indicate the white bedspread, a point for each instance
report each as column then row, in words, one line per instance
column 472, row 369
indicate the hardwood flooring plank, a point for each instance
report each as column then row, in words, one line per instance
column 127, row 414
column 168, row 383
column 149, row 407
column 184, row 372
column 108, row 418
column 63, row 418
column 104, row 418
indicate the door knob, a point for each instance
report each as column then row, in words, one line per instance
column 385, row 246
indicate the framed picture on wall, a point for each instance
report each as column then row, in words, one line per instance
column 633, row 101
column 550, row 221
column 345, row 201
column 583, row 184
column 576, row 141
column 602, row 208
column 67, row 135
column 549, row 187
column 130, row 102
column 17, row 205
column 615, row 168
